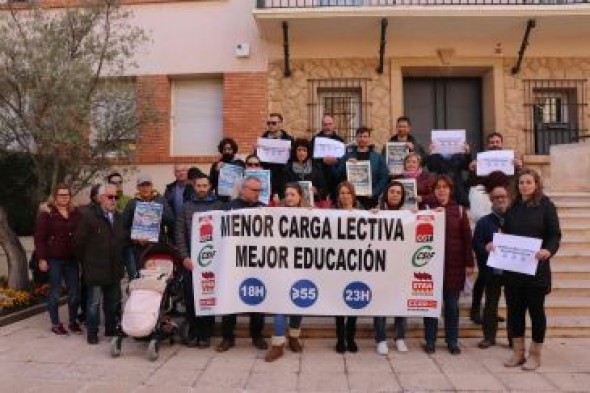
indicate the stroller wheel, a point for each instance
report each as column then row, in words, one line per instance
column 153, row 349
column 116, row 347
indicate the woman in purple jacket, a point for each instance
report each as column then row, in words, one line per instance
column 458, row 261
column 53, row 245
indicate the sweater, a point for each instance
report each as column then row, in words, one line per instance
column 54, row 234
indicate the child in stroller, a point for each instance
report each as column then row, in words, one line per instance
column 144, row 315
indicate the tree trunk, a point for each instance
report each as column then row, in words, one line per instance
column 18, row 274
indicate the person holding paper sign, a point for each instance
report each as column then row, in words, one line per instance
column 228, row 148
column 532, row 214
column 293, row 198
column 275, row 131
column 364, row 151
column 413, row 170
column 458, row 263
column 403, row 126
column 346, row 326
column 302, row 168
column 200, row 329
column 145, row 193
column 393, row 198
column 329, row 165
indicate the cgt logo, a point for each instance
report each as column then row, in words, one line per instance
column 424, row 232
column 205, row 229
column 206, row 255
column 422, row 256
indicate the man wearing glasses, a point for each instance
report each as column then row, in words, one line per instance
column 98, row 244
column 275, row 130
column 116, row 179
column 249, row 192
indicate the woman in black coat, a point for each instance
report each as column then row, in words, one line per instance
column 532, row 214
column 301, row 167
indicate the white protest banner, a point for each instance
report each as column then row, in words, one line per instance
column 411, row 201
column 264, row 176
column 228, row 176
column 146, row 221
column 395, row 153
column 514, row 253
column 359, row 174
column 327, row 147
column 495, row 160
column 318, row 262
column 448, row 142
column 275, row 151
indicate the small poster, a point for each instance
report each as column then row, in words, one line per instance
column 264, row 176
column 395, row 153
column 276, row 151
column 327, row 147
column 411, row 193
column 359, row 174
column 448, row 142
column 306, row 186
column 146, row 221
column 515, row 253
column 495, row 160
column 228, row 176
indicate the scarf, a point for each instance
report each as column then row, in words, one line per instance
column 413, row 174
column 302, row 169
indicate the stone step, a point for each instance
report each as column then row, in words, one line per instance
column 559, row 306
column 571, row 288
column 574, row 243
column 325, row 327
column 575, row 229
column 558, row 197
column 575, row 271
column 566, row 256
column 580, row 217
column 572, row 206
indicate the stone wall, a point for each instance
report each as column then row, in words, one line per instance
column 291, row 96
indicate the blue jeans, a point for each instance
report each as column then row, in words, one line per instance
column 110, row 305
column 69, row 272
column 280, row 322
column 131, row 262
column 399, row 326
column 451, row 314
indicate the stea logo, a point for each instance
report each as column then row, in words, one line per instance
column 422, row 256
column 422, row 284
column 205, row 229
column 206, row 255
column 421, row 304
column 424, row 232
column 207, row 283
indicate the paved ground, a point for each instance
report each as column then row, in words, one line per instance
column 34, row 360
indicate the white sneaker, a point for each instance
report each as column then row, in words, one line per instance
column 382, row 348
column 400, row 345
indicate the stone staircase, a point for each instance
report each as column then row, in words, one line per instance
column 567, row 307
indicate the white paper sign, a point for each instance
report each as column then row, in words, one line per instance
column 275, row 151
column 448, row 142
column 327, row 147
column 298, row 261
column 395, row 153
column 146, row 221
column 514, row 253
column 359, row 174
column 306, row 186
column 495, row 160
column 411, row 193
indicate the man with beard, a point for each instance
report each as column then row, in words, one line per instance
column 228, row 148
column 329, row 165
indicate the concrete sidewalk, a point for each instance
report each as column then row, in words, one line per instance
column 32, row 359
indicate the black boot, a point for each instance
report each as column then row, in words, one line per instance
column 340, row 333
column 350, row 335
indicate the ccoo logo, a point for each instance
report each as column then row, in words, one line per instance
column 206, row 255
column 422, row 256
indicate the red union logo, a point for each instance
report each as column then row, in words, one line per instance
column 422, row 288
column 205, row 229
column 207, row 302
column 207, row 283
column 419, row 304
column 422, row 276
column 424, row 232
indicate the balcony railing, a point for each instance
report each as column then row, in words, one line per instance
column 263, row 4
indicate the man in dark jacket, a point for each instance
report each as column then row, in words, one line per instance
column 364, row 151
column 200, row 329
column 145, row 193
column 249, row 193
column 98, row 244
column 329, row 165
column 403, row 126
column 177, row 192
column 275, row 131
column 482, row 245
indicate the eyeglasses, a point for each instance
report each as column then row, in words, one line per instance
column 255, row 189
column 112, row 197
column 253, row 164
column 63, row 195
column 499, row 196
column 272, row 123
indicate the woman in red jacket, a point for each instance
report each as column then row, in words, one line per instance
column 53, row 245
column 458, row 261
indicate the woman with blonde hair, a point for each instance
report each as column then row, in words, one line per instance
column 54, row 231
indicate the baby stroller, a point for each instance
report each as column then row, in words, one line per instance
column 144, row 315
